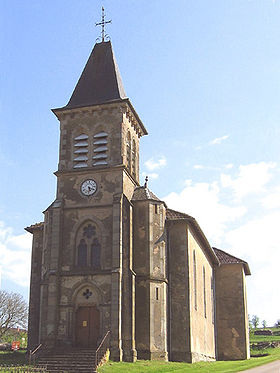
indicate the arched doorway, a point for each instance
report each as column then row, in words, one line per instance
column 87, row 326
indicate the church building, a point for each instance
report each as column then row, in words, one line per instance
column 111, row 256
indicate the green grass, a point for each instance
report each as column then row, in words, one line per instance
column 264, row 338
column 13, row 358
column 143, row 366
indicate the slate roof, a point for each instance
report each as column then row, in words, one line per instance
column 173, row 215
column 100, row 81
column 141, row 194
column 176, row 215
column 33, row 227
column 225, row 258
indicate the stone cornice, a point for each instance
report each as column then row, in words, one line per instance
column 124, row 104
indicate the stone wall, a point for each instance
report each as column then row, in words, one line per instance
column 231, row 313
column 179, row 316
column 202, row 324
column 34, row 297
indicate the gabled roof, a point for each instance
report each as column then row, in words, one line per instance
column 100, row 81
column 142, row 194
column 33, row 227
column 176, row 215
column 225, row 258
column 172, row 215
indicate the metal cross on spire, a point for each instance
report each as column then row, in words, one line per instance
column 102, row 24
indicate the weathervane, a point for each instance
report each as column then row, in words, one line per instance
column 102, row 24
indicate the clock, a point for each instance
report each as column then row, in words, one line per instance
column 88, row 187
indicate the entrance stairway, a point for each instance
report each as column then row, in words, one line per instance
column 71, row 360
column 75, row 360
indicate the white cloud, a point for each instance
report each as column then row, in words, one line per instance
column 229, row 166
column 251, row 179
column 15, row 251
column 151, row 175
column 152, row 164
column 257, row 241
column 202, row 201
column 218, row 140
column 272, row 201
column 198, row 167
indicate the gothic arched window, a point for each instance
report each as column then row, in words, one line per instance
column 82, row 253
column 133, row 158
column 95, row 253
column 88, row 246
column 128, row 151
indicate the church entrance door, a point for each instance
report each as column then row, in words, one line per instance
column 87, row 326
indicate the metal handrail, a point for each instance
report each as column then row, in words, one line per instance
column 101, row 350
column 33, row 352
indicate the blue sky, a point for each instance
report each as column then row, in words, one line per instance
column 205, row 79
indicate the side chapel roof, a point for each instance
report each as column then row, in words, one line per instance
column 33, row 227
column 225, row 258
column 172, row 215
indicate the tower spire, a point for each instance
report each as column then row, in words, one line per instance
column 102, row 24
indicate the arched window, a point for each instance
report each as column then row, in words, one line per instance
column 133, row 159
column 88, row 246
column 82, row 253
column 95, row 253
column 128, row 151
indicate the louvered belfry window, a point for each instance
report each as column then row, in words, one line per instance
column 100, row 149
column 81, row 148
column 128, row 151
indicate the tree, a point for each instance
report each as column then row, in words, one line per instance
column 13, row 312
column 264, row 324
column 255, row 321
column 277, row 324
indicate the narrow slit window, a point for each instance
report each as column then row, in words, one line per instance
column 128, row 151
column 194, row 281
column 204, row 293
column 157, row 293
column 133, row 158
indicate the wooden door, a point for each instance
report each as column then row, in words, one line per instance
column 87, row 326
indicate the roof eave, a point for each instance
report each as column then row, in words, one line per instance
column 67, row 109
column 202, row 236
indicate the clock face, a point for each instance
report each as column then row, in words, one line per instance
column 88, row 187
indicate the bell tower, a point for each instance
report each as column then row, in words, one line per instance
column 87, row 283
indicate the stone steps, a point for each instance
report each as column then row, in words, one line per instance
column 70, row 361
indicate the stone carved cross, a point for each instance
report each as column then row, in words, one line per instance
column 87, row 293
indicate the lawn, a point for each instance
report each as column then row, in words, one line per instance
column 143, row 366
column 264, row 338
column 13, row 358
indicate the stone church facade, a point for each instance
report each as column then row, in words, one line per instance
column 111, row 256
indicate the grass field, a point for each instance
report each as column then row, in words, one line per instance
column 12, row 358
column 213, row 367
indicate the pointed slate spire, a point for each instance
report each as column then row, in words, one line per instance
column 100, row 81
